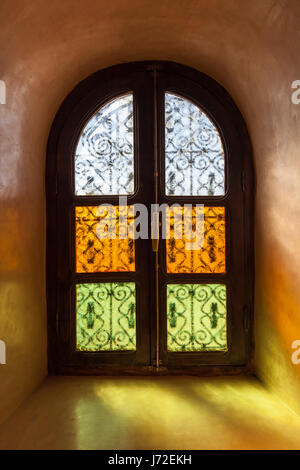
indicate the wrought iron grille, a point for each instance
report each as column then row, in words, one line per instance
column 106, row 316
column 210, row 258
column 194, row 151
column 97, row 254
column 196, row 317
column 104, row 162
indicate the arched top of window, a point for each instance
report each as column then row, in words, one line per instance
column 104, row 153
column 194, row 150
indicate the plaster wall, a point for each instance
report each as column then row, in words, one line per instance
column 251, row 48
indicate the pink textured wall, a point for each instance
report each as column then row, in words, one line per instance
column 251, row 48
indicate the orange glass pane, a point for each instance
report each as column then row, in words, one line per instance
column 104, row 241
column 210, row 258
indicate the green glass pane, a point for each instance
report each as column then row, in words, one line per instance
column 106, row 316
column 196, row 317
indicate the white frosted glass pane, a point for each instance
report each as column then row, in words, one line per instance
column 194, row 151
column 104, row 163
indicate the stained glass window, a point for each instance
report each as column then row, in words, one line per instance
column 96, row 248
column 210, row 258
column 196, row 317
column 106, row 319
column 194, row 150
column 104, row 155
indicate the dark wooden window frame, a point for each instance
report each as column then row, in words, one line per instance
column 75, row 111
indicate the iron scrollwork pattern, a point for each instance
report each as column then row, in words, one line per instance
column 196, row 317
column 194, row 151
column 106, row 316
column 210, row 258
column 96, row 254
column 104, row 162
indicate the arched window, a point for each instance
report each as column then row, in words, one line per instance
column 143, row 159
